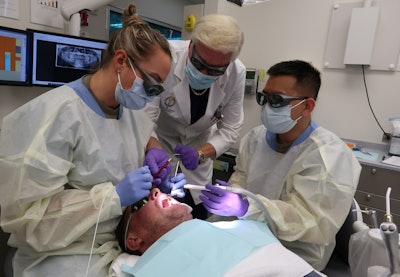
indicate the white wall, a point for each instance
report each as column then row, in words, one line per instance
column 274, row 31
column 285, row 29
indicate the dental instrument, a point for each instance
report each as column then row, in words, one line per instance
column 162, row 167
column 176, row 172
column 176, row 169
column 165, row 165
column 245, row 192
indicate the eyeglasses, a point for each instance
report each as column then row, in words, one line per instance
column 276, row 100
column 150, row 85
column 211, row 70
column 134, row 208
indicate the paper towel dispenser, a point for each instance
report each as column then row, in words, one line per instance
column 251, row 83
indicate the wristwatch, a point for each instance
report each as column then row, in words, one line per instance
column 202, row 157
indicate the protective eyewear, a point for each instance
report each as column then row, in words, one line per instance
column 276, row 100
column 134, row 208
column 150, row 85
column 199, row 64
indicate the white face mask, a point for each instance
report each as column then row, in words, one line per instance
column 134, row 98
column 278, row 120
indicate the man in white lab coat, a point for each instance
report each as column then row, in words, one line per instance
column 201, row 111
column 305, row 175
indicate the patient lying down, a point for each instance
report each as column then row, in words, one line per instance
column 172, row 243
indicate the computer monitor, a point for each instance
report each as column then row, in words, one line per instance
column 14, row 57
column 58, row 59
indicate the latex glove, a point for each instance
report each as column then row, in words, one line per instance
column 155, row 159
column 188, row 156
column 174, row 185
column 135, row 185
column 222, row 202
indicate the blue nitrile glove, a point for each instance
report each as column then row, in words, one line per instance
column 222, row 202
column 135, row 185
column 174, row 185
column 188, row 155
column 156, row 158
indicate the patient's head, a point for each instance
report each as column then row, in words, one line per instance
column 159, row 215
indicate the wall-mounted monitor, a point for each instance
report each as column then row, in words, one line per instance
column 58, row 59
column 14, row 57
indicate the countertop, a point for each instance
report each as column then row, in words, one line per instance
column 372, row 154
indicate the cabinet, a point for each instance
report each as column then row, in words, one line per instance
column 371, row 191
column 223, row 167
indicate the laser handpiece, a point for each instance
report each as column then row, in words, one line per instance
column 244, row 192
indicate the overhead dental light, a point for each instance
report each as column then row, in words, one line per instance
column 70, row 11
column 243, row 3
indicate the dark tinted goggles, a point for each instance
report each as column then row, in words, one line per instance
column 276, row 100
column 201, row 65
column 150, row 85
column 134, row 208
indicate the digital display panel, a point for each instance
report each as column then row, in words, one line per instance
column 14, row 57
column 58, row 59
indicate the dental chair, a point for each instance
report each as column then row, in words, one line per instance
column 338, row 265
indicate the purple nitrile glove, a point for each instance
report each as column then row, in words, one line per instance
column 174, row 185
column 135, row 185
column 188, row 155
column 156, row 158
column 222, row 202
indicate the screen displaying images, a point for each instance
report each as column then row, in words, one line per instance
column 14, row 57
column 58, row 59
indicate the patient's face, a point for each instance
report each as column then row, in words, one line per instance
column 159, row 215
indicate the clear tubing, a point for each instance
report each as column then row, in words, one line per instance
column 389, row 190
column 268, row 218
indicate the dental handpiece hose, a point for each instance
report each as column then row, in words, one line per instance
column 390, row 236
column 244, row 192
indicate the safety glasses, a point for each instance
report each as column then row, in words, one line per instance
column 276, row 100
column 150, row 85
column 134, row 208
column 201, row 65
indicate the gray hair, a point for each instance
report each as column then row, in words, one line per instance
column 219, row 32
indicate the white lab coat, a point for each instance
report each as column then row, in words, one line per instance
column 171, row 112
column 59, row 163
column 308, row 191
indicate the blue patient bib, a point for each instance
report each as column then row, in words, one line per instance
column 199, row 248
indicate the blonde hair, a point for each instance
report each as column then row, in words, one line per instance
column 136, row 37
column 219, row 32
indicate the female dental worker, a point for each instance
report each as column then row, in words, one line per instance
column 71, row 159
column 201, row 111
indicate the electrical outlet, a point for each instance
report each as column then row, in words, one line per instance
column 385, row 137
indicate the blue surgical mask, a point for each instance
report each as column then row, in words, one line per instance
column 278, row 120
column 134, row 98
column 196, row 79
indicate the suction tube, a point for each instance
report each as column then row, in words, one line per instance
column 244, row 192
